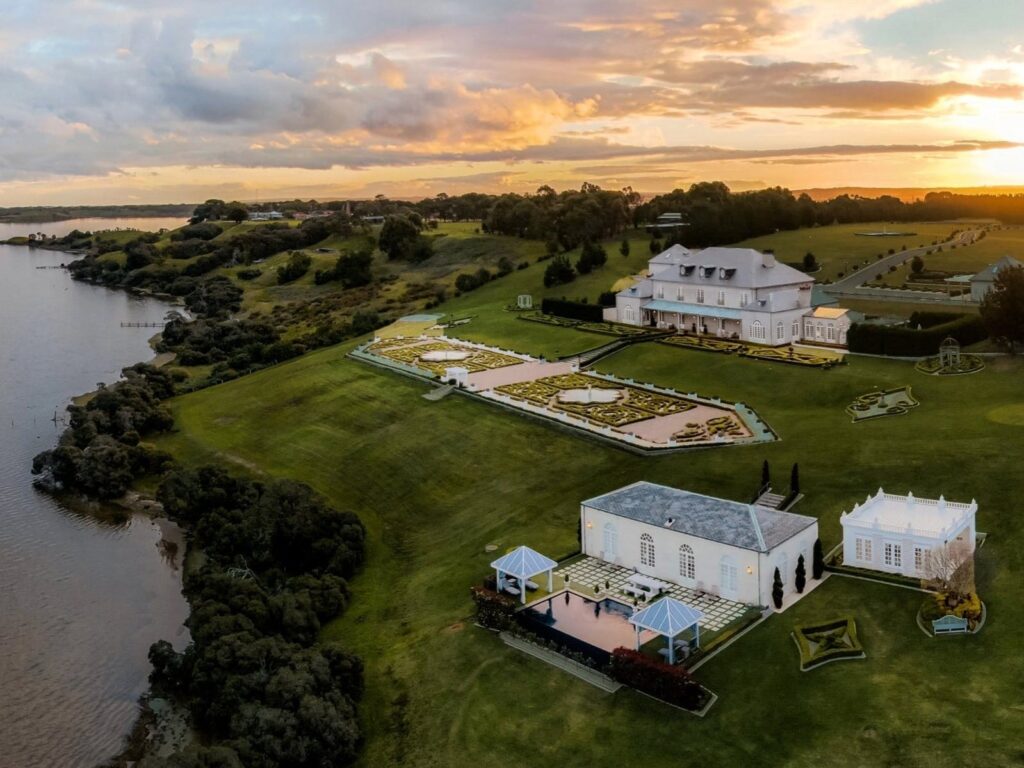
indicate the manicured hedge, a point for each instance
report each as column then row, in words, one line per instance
column 904, row 341
column 671, row 684
column 577, row 310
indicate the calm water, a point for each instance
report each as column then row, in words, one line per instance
column 603, row 623
column 80, row 601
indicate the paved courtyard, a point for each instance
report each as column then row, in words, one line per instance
column 588, row 571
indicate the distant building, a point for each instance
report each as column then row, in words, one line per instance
column 265, row 216
column 373, row 219
column 895, row 533
column 829, row 325
column 667, row 221
column 727, row 548
column 982, row 282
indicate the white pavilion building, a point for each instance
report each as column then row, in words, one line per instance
column 894, row 533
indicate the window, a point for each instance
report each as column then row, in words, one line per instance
column 892, row 555
column 862, row 551
column 629, row 314
column 687, row 563
column 831, row 333
column 779, row 331
column 757, row 330
column 744, row 299
column 611, row 541
column 721, row 298
column 796, row 329
column 727, row 575
column 661, row 291
column 647, row 550
column 817, row 331
column 679, row 293
column 919, row 559
column 700, row 295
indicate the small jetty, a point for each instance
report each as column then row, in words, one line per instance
column 142, row 325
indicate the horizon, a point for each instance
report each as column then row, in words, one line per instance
column 116, row 105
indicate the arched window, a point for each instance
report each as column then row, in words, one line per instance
column 646, row 550
column 611, row 541
column 779, row 332
column 757, row 330
column 727, row 576
column 687, row 563
column 784, row 568
column 796, row 330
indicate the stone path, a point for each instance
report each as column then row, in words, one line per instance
column 718, row 612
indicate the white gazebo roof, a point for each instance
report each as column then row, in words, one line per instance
column 667, row 617
column 523, row 562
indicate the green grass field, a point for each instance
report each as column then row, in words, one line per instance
column 437, row 481
column 839, row 249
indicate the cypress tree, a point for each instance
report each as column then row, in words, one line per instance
column 794, row 480
column 777, row 589
column 624, row 248
column 801, row 575
column 818, row 560
column 766, row 474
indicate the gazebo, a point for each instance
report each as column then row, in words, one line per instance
column 522, row 563
column 668, row 617
column 949, row 353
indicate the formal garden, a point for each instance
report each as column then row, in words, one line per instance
column 594, row 326
column 888, row 402
column 950, row 361
column 786, row 354
column 438, row 355
column 828, row 641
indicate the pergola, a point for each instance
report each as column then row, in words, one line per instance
column 523, row 562
column 668, row 617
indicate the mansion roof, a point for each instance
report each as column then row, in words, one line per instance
column 739, row 267
column 746, row 526
column 988, row 274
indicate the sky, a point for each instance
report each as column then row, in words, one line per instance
column 161, row 101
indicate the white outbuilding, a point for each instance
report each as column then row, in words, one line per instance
column 893, row 533
column 726, row 548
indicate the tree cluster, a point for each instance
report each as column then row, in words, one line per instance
column 261, row 689
column 101, row 452
column 352, row 270
column 401, row 239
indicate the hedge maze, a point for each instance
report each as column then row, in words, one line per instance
column 410, row 353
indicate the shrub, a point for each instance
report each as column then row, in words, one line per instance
column 777, row 591
column 493, row 610
column 671, row 684
column 817, row 560
column 298, row 265
column 606, row 299
column 575, row 310
column 559, row 272
column 592, row 256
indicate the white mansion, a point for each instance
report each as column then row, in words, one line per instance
column 722, row 547
column 731, row 293
column 895, row 533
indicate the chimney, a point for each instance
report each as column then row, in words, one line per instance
column 768, row 260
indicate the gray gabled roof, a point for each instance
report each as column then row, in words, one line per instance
column 988, row 274
column 746, row 267
column 746, row 526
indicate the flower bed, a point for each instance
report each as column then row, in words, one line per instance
column 829, row 641
column 890, row 402
column 608, row 329
column 412, row 353
column 791, row 355
column 968, row 364
column 709, row 343
column 637, row 404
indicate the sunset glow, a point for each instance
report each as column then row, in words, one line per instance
column 184, row 100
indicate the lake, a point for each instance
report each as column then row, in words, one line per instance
column 81, row 600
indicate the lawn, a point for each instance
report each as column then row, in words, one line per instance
column 839, row 249
column 437, row 481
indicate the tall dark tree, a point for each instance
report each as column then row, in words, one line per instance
column 766, row 473
column 817, row 560
column 794, row 479
column 624, row 248
column 777, row 590
column 917, row 265
column 1002, row 309
column 810, row 263
column 559, row 271
column 801, row 574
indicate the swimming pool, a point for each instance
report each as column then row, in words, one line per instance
column 603, row 624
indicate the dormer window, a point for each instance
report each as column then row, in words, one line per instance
column 687, row 270
column 725, row 273
column 706, row 271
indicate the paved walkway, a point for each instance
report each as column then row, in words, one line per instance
column 588, row 571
